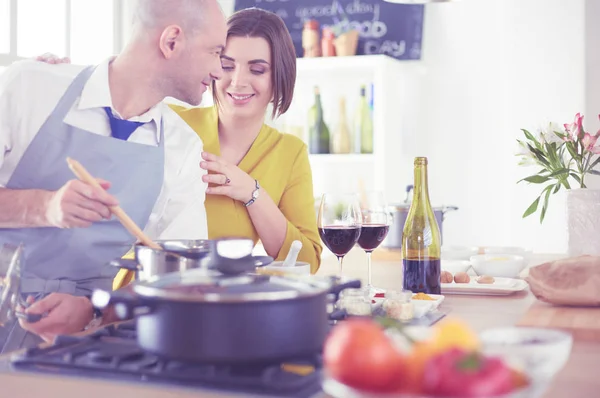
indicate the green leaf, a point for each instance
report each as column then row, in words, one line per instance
column 545, row 206
column 559, row 172
column 532, row 207
column 595, row 172
column 571, row 149
column 576, row 177
column 529, row 136
column 595, row 163
column 535, row 179
column 539, row 155
column 557, row 187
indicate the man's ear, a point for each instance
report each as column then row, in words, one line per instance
column 171, row 40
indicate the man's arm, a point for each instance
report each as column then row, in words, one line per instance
column 76, row 204
column 24, row 208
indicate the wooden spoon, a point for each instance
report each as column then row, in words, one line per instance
column 127, row 222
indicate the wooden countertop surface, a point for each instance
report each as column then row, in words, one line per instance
column 579, row 378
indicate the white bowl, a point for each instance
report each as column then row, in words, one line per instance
column 501, row 265
column 299, row 268
column 455, row 266
column 542, row 352
column 458, row 252
column 515, row 250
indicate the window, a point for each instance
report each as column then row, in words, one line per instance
column 84, row 30
column 41, row 27
column 4, row 26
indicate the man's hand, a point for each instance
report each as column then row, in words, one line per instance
column 78, row 204
column 66, row 314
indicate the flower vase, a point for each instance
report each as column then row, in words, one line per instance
column 583, row 222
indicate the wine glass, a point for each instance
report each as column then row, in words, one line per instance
column 376, row 224
column 339, row 223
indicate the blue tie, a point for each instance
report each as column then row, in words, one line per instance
column 120, row 128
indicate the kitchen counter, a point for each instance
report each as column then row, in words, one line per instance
column 578, row 378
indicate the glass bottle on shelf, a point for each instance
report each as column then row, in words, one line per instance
column 318, row 132
column 363, row 125
column 341, row 137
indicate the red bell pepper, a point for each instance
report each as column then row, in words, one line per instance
column 460, row 373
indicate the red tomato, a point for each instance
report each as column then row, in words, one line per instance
column 460, row 373
column 360, row 355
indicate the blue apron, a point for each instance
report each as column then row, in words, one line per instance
column 75, row 260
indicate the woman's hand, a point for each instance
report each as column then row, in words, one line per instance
column 226, row 179
column 50, row 58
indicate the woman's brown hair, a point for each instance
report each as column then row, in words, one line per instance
column 255, row 22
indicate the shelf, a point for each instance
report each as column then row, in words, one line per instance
column 342, row 158
column 358, row 62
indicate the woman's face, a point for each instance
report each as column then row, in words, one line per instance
column 245, row 90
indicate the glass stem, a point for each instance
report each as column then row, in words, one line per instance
column 369, row 269
column 340, row 261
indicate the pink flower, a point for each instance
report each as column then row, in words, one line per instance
column 575, row 130
column 589, row 141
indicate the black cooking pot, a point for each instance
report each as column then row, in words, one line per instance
column 205, row 316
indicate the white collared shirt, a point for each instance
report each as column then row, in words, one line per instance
column 29, row 92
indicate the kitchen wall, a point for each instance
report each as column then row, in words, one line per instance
column 492, row 67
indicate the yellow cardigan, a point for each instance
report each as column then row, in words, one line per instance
column 280, row 163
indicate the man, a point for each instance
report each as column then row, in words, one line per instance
column 149, row 167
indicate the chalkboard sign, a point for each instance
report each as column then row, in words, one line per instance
column 385, row 28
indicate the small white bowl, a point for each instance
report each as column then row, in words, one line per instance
column 498, row 265
column 541, row 352
column 518, row 251
column 299, row 268
column 458, row 252
column 455, row 266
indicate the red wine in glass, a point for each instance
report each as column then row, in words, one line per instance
column 339, row 239
column 371, row 236
column 339, row 222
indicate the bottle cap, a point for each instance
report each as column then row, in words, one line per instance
column 420, row 161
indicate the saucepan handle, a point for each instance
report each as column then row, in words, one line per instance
column 338, row 285
column 261, row 261
column 125, row 263
column 29, row 318
column 126, row 303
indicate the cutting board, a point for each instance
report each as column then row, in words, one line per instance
column 583, row 323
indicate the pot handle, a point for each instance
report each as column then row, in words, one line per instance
column 338, row 285
column 125, row 263
column 126, row 303
column 261, row 261
column 446, row 209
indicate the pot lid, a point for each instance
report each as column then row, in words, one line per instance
column 201, row 285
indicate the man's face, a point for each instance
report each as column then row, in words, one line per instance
column 199, row 60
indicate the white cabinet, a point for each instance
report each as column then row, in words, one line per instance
column 395, row 88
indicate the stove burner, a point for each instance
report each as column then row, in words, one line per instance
column 114, row 353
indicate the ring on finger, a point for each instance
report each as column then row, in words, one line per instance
column 227, row 180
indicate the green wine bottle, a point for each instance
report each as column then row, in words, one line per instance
column 363, row 125
column 421, row 243
column 318, row 132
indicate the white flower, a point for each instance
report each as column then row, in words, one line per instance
column 546, row 133
column 527, row 158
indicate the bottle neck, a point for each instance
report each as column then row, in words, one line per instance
column 421, row 188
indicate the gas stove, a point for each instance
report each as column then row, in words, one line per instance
column 113, row 353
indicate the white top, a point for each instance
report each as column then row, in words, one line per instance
column 29, row 92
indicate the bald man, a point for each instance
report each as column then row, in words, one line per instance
column 110, row 117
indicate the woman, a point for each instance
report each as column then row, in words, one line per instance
column 243, row 155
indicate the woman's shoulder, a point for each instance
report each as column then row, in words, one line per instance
column 287, row 143
column 196, row 116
